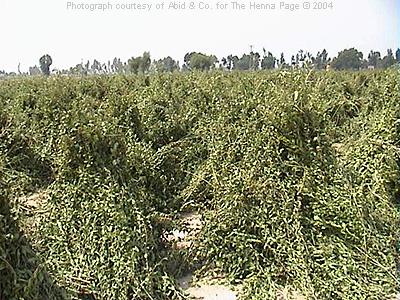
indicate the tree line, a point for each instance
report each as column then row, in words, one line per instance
column 348, row 59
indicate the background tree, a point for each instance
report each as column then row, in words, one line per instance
column 145, row 63
column 133, row 64
column 308, row 59
column 167, row 64
column 388, row 60
column 268, row 62
column 118, row 66
column 224, row 64
column 242, row 63
column 300, row 57
column 96, row 67
column 348, row 59
column 140, row 64
column 35, row 70
column 374, row 59
column 200, row 61
column 79, row 69
column 186, row 58
column 227, row 62
column 398, row 55
column 45, row 62
column 249, row 61
column 293, row 61
column 86, row 67
column 321, row 60
column 282, row 62
column 254, row 60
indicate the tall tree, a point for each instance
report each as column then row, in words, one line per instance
column 308, row 59
column 398, row 55
column 45, row 62
column 293, row 61
column 374, row 58
column 242, row 63
column 167, row 64
column 348, row 59
column 388, row 60
column 321, row 60
column 249, row 61
column 79, row 69
column 96, row 67
column 268, row 62
column 254, row 60
column 118, row 66
column 282, row 62
column 300, row 57
column 199, row 61
column 145, row 63
column 35, row 70
column 140, row 64
column 227, row 62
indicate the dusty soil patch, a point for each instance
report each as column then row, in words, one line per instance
column 184, row 238
column 212, row 292
column 34, row 201
column 206, row 291
column 32, row 207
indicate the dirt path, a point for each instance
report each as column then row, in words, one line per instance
column 33, row 210
column 34, row 201
column 206, row 291
column 185, row 238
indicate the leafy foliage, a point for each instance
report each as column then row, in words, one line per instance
column 348, row 59
column 295, row 174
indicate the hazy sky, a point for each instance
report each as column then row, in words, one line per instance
column 31, row 28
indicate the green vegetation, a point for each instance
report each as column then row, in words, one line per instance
column 45, row 62
column 295, row 174
column 348, row 59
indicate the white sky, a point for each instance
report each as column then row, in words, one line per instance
column 31, row 28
